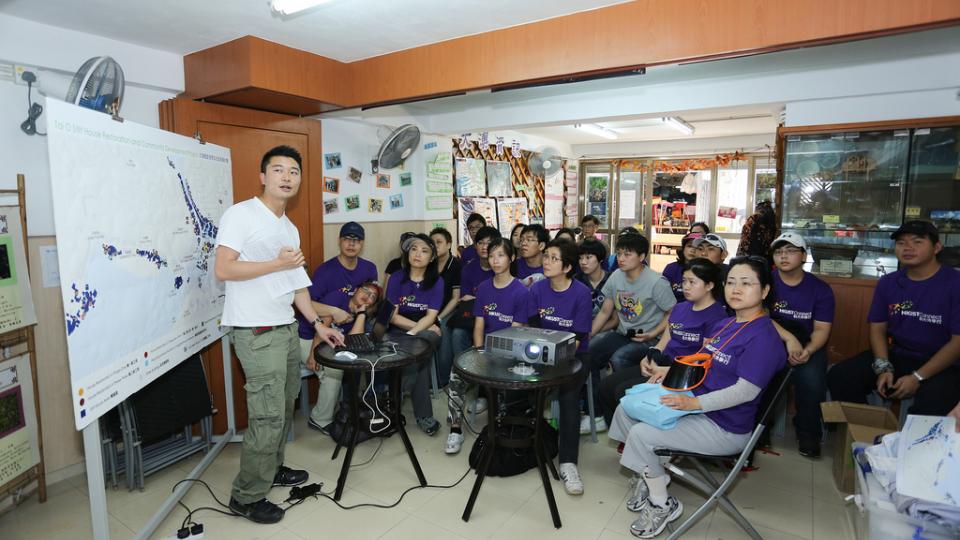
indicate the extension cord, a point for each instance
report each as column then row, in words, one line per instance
column 193, row 533
column 302, row 492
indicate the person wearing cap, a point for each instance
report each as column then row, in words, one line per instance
column 914, row 331
column 332, row 285
column 636, row 303
column 674, row 271
column 263, row 329
column 395, row 263
column 805, row 304
column 711, row 246
column 474, row 222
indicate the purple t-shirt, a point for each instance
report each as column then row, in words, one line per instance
column 568, row 310
column 920, row 315
column 674, row 274
column 333, row 285
column 688, row 327
column 500, row 308
column 525, row 270
column 808, row 301
column 472, row 276
column 756, row 354
column 469, row 255
column 412, row 301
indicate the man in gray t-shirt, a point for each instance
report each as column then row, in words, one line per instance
column 641, row 300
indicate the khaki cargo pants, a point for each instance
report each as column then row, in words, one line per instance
column 271, row 363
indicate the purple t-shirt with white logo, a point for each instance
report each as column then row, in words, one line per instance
column 411, row 300
column 688, row 327
column 568, row 310
column 469, row 255
column 808, row 301
column 333, row 285
column 920, row 315
column 500, row 308
column 674, row 274
column 756, row 354
column 472, row 276
column 524, row 270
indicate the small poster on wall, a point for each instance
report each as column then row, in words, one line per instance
column 19, row 447
column 352, row 202
column 332, row 161
column 471, row 177
column 396, row 201
column 376, row 206
column 383, row 181
column 331, row 185
column 510, row 212
column 468, row 205
column 499, row 179
column 355, row 175
column 331, row 206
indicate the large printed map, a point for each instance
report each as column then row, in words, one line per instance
column 136, row 213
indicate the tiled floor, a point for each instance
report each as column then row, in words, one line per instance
column 788, row 497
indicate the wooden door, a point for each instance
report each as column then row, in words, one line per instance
column 249, row 134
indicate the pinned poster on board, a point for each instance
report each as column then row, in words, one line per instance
column 510, row 212
column 16, row 303
column 468, row 205
column 19, row 444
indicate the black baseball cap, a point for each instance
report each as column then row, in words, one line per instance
column 919, row 228
column 352, row 228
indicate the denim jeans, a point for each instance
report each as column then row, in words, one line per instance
column 810, row 380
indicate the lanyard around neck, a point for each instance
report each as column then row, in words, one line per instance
column 720, row 348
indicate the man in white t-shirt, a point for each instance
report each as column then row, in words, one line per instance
column 259, row 259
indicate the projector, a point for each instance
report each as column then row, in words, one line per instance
column 533, row 345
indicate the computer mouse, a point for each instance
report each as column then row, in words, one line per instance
column 345, row 355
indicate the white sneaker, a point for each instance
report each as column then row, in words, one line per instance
column 479, row 406
column 638, row 499
column 585, row 424
column 653, row 519
column 572, row 483
column 454, row 442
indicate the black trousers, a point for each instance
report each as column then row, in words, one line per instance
column 853, row 379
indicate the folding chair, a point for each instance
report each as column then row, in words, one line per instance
column 709, row 484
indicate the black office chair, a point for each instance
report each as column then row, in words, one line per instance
column 709, row 484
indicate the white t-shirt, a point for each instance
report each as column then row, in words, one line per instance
column 246, row 228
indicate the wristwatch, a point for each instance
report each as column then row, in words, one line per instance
column 317, row 321
column 881, row 365
column 917, row 375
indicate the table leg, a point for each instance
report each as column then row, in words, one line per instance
column 485, row 457
column 395, row 384
column 542, row 457
column 354, row 426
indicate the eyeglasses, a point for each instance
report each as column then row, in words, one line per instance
column 369, row 292
column 351, row 239
column 529, row 240
column 552, row 258
column 787, row 251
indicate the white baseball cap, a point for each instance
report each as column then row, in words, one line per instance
column 712, row 239
column 793, row 239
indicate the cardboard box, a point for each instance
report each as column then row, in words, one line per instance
column 858, row 423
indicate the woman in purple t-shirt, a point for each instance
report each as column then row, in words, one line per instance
column 501, row 302
column 417, row 292
column 560, row 302
column 674, row 271
column 747, row 353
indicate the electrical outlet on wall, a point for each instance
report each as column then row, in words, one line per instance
column 18, row 70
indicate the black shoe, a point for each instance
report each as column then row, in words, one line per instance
column 262, row 511
column 322, row 429
column 289, row 477
column 809, row 447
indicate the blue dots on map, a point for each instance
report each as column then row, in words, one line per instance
column 84, row 300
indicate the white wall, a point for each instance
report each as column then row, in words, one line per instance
column 151, row 77
column 675, row 147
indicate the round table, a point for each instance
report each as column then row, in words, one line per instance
column 395, row 352
column 493, row 372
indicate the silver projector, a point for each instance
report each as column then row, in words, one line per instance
column 533, row 345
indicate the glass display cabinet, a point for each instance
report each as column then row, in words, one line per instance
column 845, row 192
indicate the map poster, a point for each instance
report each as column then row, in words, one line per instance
column 19, row 447
column 928, row 459
column 468, row 205
column 16, row 302
column 471, row 177
column 512, row 211
column 499, row 179
column 137, row 211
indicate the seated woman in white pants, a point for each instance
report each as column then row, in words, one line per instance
column 747, row 353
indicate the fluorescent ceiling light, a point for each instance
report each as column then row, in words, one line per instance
column 289, row 7
column 678, row 124
column 597, row 130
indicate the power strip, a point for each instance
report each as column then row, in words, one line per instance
column 194, row 532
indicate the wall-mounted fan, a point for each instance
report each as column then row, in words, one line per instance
column 397, row 147
column 98, row 85
column 545, row 162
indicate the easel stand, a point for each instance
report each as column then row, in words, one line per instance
column 22, row 341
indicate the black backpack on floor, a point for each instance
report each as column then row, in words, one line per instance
column 513, row 461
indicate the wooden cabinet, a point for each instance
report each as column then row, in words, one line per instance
column 850, row 333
